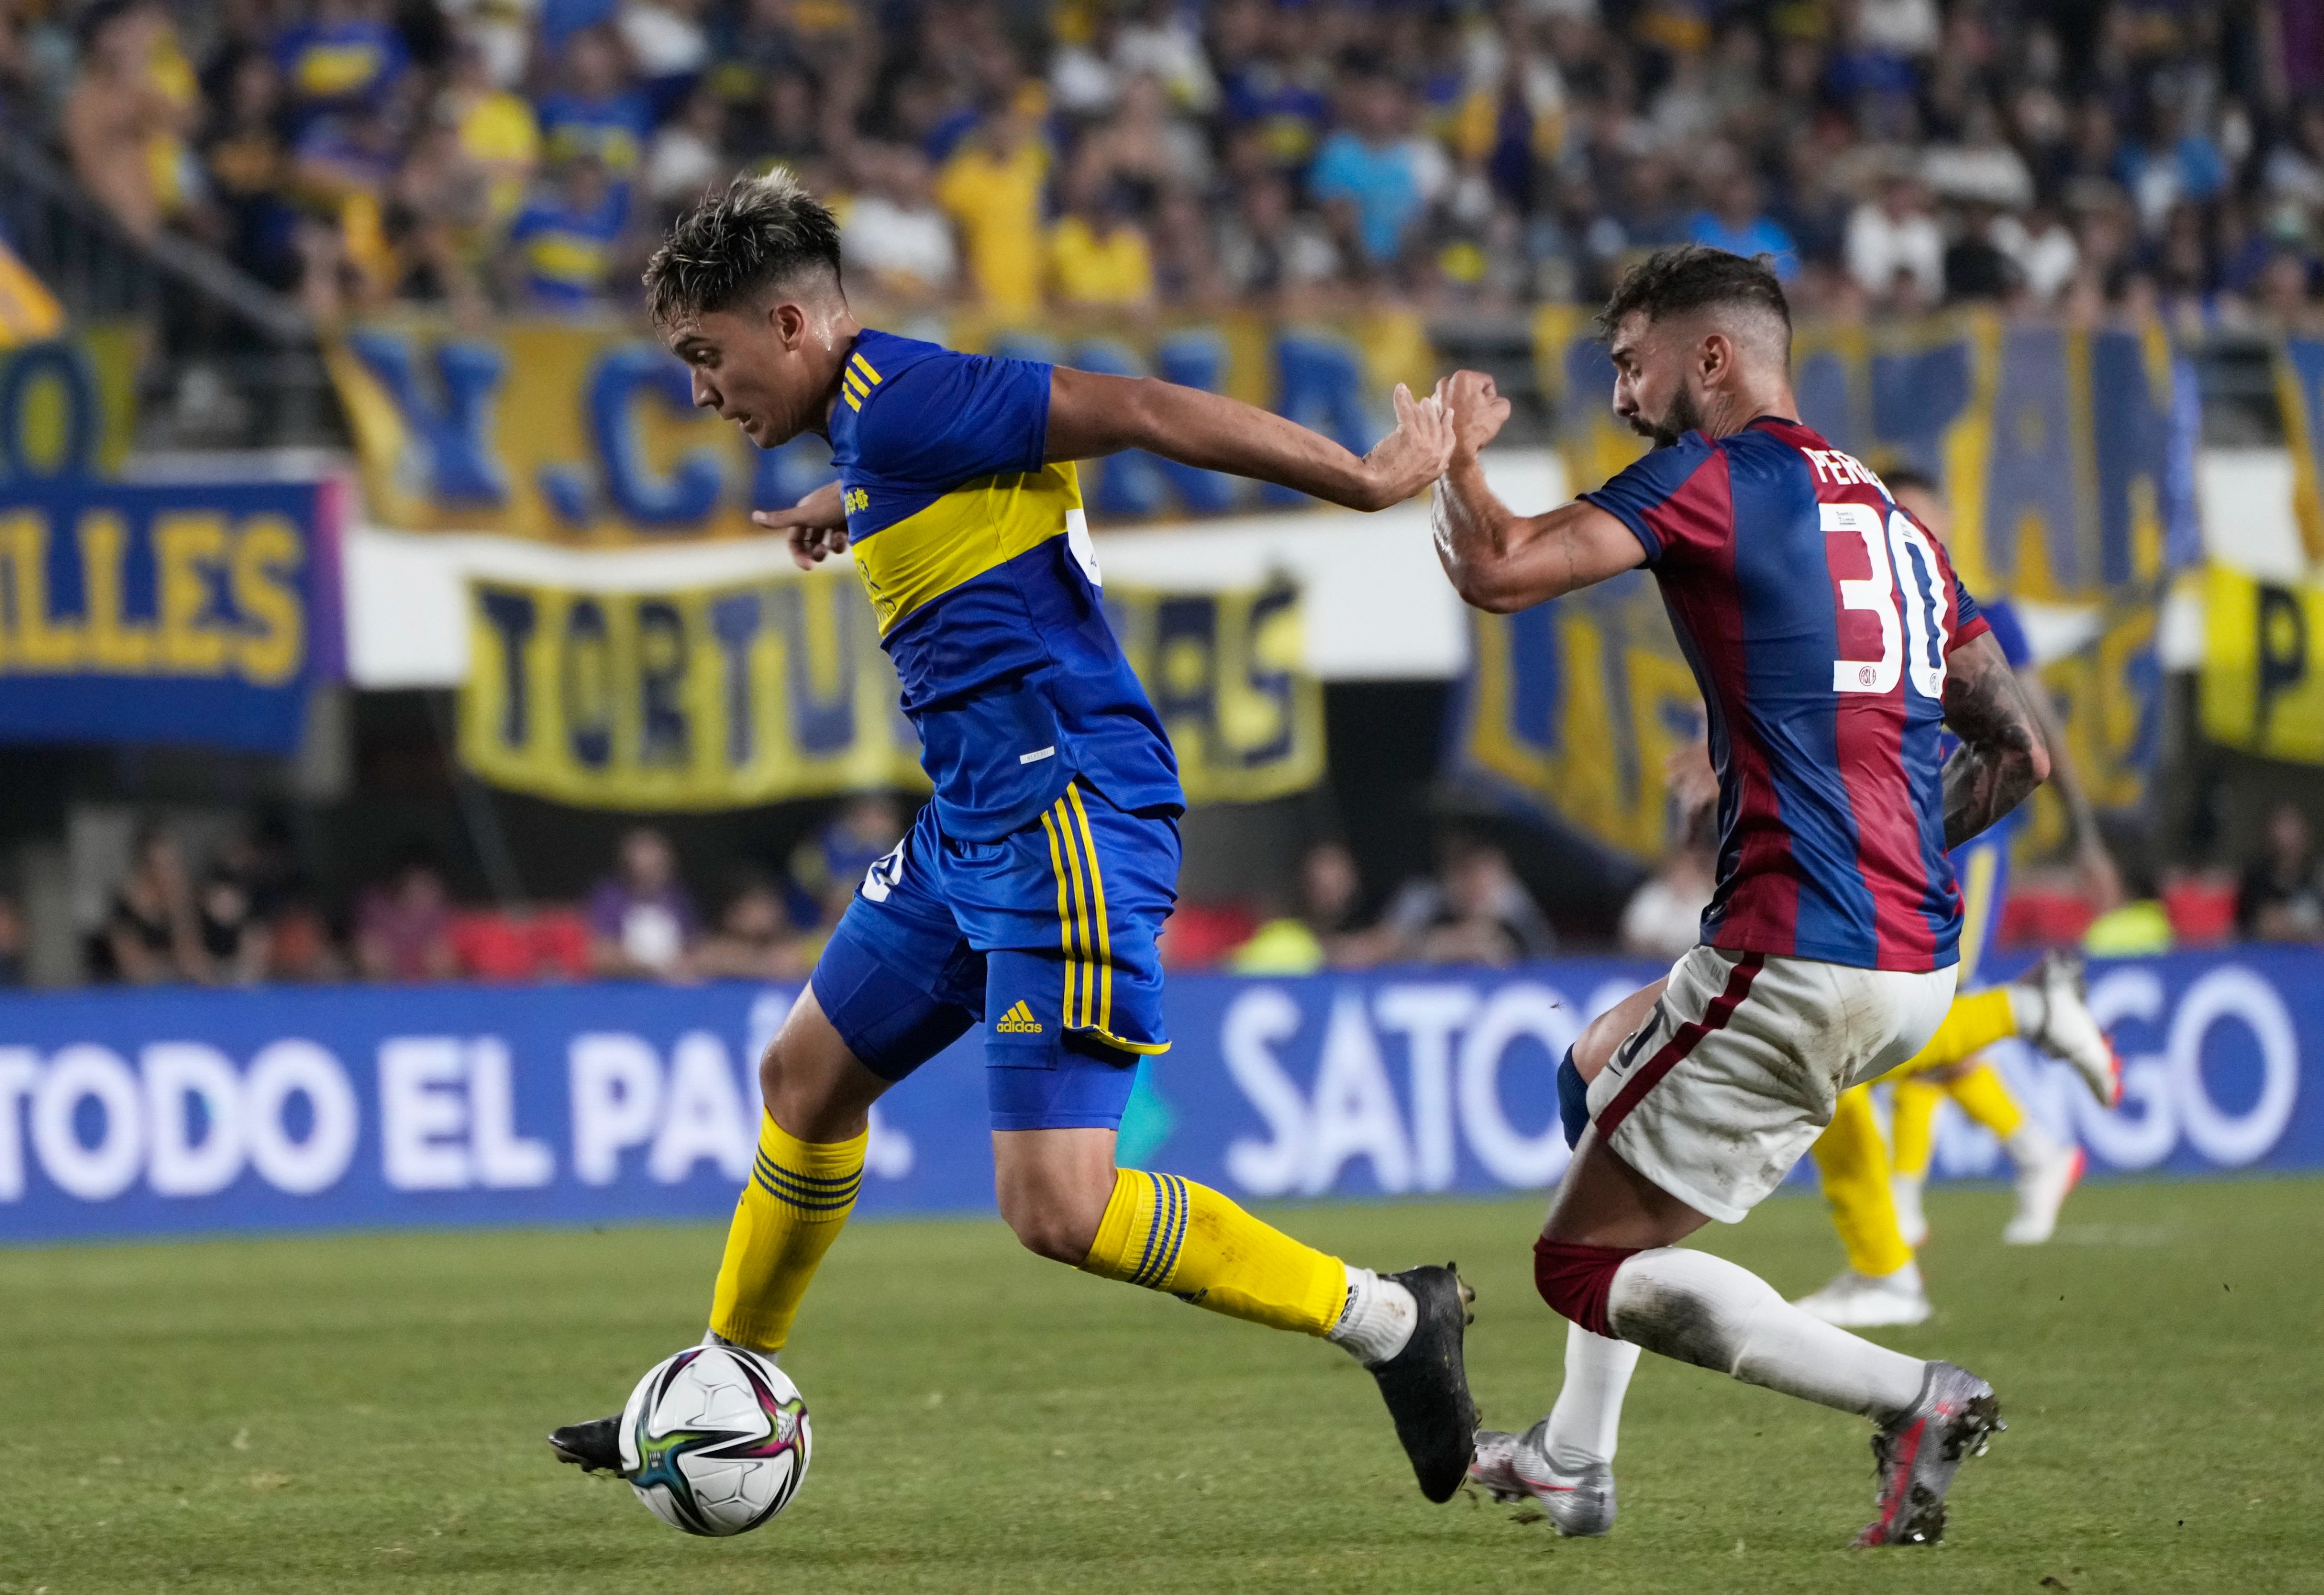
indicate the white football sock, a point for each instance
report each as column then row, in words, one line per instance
column 1378, row 1321
column 2029, row 1147
column 1707, row 1311
column 2029, row 1008
column 1587, row 1420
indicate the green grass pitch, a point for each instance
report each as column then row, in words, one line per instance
column 365, row 1414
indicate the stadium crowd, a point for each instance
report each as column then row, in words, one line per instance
column 242, row 911
column 1890, row 155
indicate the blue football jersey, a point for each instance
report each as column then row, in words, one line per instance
column 977, row 558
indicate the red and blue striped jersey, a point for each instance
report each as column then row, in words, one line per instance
column 1818, row 617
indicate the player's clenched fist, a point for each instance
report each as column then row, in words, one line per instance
column 1474, row 407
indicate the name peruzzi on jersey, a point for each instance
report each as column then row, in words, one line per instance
column 1840, row 469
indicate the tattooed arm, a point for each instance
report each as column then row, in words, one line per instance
column 2001, row 758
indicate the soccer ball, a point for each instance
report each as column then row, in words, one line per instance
column 714, row 1440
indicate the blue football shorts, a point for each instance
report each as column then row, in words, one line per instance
column 1046, row 939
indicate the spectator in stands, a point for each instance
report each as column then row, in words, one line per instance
column 828, row 867
column 14, row 945
column 895, row 240
column 1894, row 246
column 1735, row 219
column 1472, row 910
column 1099, row 258
column 403, row 926
column 249, row 172
column 499, row 135
column 1976, row 267
column 597, row 110
column 153, row 934
column 666, row 42
column 1318, row 931
column 236, row 943
column 687, row 156
column 1663, row 918
column 754, row 940
column 1267, row 251
column 1371, row 174
column 133, row 107
column 2282, row 895
column 990, row 187
column 641, row 920
column 347, row 58
column 560, row 249
column 2043, row 248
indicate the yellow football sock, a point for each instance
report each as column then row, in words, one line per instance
column 1167, row 1233
column 1986, row 1098
column 1912, row 1123
column 1971, row 1024
column 798, row 1197
column 1855, row 1169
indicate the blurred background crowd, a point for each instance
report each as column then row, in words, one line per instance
column 1890, row 155
column 237, row 909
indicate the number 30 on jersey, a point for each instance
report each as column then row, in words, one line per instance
column 1902, row 561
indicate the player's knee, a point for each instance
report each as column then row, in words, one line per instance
column 1049, row 1229
column 1576, row 1281
column 802, row 1098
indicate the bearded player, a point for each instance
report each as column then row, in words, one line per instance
column 1833, row 646
column 1026, row 901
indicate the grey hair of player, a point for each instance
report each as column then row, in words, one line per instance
column 757, row 235
column 1694, row 279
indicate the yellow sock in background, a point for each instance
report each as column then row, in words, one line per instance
column 1854, row 1165
column 1913, row 1121
column 1971, row 1024
column 1171, row 1234
column 799, row 1196
column 1986, row 1098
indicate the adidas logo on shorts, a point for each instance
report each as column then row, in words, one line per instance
column 1018, row 1021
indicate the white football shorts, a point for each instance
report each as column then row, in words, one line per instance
column 1734, row 1073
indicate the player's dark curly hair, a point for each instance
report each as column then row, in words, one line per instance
column 759, row 234
column 1693, row 277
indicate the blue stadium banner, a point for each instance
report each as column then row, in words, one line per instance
column 157, row 1113
column 2300, row 399
column 197, row 614
column 587, row 435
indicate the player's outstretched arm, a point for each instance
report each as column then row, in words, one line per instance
column 2001, row 758
column 1092, row 416
column 1500, row 561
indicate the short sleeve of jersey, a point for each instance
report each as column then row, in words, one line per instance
column 1667, row 503
column 949, row 418
column 2001, row 619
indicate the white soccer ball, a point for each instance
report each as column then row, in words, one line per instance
column 714, row 1440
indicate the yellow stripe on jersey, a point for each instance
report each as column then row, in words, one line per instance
column 863, row 366
column 852, row 401
column 855, row 383
column 976, row 526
